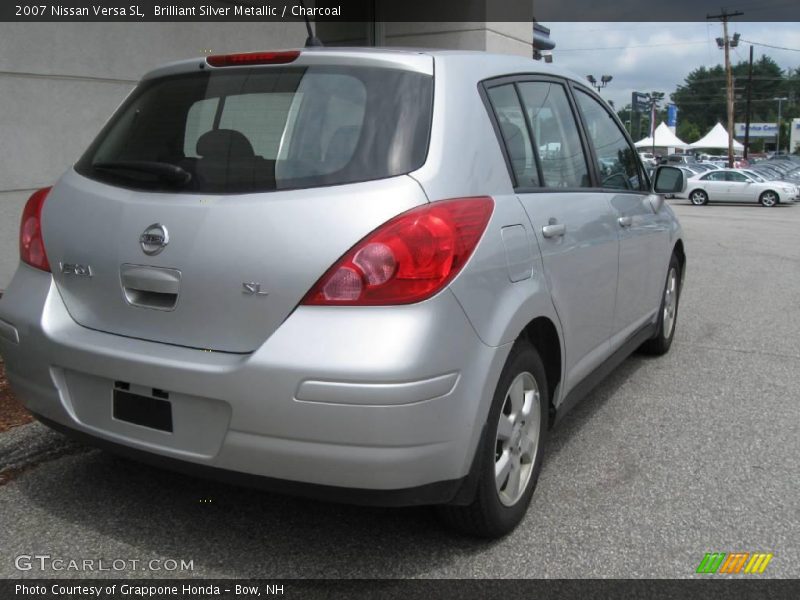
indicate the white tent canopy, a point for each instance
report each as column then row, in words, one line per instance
column 664, row 139
column 716, row 138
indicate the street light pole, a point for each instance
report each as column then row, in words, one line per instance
column 778, row 138
column 655, row 99
column 747, row 111
column 729, row 85
column 599, row 85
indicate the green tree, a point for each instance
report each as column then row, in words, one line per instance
column 790, row 88
column 688, row 131
column 627, row 116
column 768, row 79
column 701, row 99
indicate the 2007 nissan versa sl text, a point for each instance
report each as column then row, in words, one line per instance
column 369, row 276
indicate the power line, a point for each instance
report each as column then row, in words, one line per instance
column 720, row 100
column 670, row 44
column 636, row 27
column 771, row 46
column 636, row 46
column 740, row 78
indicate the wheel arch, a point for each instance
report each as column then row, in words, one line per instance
column 679, row 251
column 770, row 190
column 698, row 189
column 543, row 335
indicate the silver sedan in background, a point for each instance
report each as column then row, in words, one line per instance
column 737, row 185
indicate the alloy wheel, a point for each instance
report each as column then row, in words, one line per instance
column 517, row 439
column 670, row 303
column 698, row 198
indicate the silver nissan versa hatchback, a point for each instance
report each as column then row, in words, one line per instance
column 363, row 275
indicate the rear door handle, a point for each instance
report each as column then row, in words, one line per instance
column 625, row 221
column 554, row 230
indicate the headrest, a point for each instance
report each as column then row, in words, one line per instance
column 224, row 144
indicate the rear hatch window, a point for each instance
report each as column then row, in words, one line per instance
column 260, row 129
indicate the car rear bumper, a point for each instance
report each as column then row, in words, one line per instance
column 378, row 402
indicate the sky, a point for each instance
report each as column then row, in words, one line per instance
column 658, row 56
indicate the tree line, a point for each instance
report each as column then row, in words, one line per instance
column 701, row 100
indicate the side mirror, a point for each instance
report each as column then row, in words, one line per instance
column 669, row 180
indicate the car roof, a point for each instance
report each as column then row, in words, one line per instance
column 481, row 65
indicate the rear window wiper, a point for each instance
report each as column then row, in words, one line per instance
column 166, row 171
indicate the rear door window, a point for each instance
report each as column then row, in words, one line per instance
column 514, row 132
column 736, row 177
column 555, row 134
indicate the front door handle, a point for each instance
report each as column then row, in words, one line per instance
column 625, row 221
column 554, row 230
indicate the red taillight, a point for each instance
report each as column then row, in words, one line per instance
column 31, row 243
column 253, row 58
column 407, row 259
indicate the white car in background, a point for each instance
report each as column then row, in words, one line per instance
column 648, row 159
column 735, row 185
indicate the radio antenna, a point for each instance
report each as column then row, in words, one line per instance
column 312, row 41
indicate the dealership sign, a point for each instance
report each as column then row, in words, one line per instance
column 758, row 130
column 640, row 102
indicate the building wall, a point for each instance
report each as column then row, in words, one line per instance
column 59, row 83
column 505, row 38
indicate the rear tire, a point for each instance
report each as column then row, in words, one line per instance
column 512, row 452
column 668, row 312
column 768, row 199
column 698, row 198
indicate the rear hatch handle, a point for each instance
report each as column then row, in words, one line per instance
column 150, row 287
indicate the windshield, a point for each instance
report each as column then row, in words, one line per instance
column 261, row 129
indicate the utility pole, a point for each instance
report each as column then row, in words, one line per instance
column 725, row 43
column 747, row 110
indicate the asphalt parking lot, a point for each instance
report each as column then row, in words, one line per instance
column 668, row 459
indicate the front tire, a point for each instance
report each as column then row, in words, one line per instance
column 512, row 454
column 768, row 199
column 698, row 198
column 668, row 312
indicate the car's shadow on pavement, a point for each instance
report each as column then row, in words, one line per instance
column 579, row 416
column 237, row 532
